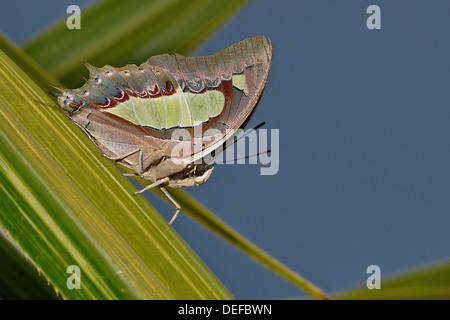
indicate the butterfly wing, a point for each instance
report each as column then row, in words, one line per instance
column 139, row 115
column 238, row 72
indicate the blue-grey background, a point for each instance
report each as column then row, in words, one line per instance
column 364, row 142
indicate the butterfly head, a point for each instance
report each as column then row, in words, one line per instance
column 191, row 175
column 201, row 173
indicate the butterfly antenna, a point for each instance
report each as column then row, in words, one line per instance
column 259, row 125
column 253, row 155
column 224, row 146
column 249, row 131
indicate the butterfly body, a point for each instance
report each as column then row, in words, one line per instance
column 162, row 118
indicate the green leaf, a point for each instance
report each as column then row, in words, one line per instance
column 120, row 32
column 66, row 205
column 19, row 277
column 431, row 281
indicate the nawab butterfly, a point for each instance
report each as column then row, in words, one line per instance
column 163, row 118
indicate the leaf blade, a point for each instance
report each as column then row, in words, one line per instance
column 430, row 281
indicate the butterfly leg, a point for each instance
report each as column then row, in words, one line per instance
column 127, row 174
column 174, row 202
column 126, row 155
column 141, row 167
column 154, row 184
column 160, row 183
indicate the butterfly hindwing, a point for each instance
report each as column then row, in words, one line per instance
column 134, row 114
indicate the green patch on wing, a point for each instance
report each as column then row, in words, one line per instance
column 205, row 106
column 178, row 110
column 239, row 83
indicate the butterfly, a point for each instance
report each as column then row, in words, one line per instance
column 163, row 118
